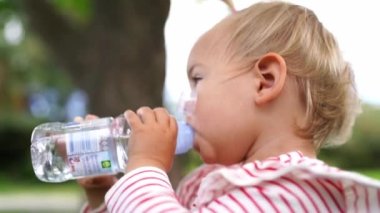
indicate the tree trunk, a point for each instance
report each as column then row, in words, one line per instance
column 118, row 58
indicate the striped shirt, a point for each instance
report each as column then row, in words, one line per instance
column 288, row 183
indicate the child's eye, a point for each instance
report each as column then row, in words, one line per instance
column 195, row 80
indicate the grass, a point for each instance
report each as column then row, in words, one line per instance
column 31, row 195
column 8, row 185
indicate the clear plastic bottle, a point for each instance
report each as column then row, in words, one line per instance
column 66, row 151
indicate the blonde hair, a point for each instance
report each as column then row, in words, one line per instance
column 325, row 80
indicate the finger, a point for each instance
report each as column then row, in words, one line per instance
column 84, row 181
column 103, row 181
column 162, row 116
column 78, row 119
column 91, row 117
column 173, row 123
column 133, row 119
column 146, row 114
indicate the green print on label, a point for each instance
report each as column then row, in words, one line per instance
column 106, row 164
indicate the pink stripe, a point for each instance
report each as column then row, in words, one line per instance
column 224, row 205
column 194, row 185
column 237, row 202
column 251, row 199
column 134, row 199
column 366, row 199
column 157, row 204
column 265, row 168
column 143, row 179
column 193, row 192
column 122, row 184
column 290, row 192
column 129, row 204
column 319, row 195
column 289, row 158
column 138, row 196
column 356, row 198
column 255, row 165
column 104, row 209
column 169, row 209
column 378, row 196
column 337, row 186
column 300, row 154
column 249, row 172
column 87, row 208
column 273, row 159
column 145, row 200
column 304, row 191
column 286, row 203
column 261, row 191
column 209, row 208
column 331, row 195
column 133, row 183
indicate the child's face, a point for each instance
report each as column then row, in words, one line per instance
column 223, row 116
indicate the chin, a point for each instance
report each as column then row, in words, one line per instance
column 207, row 159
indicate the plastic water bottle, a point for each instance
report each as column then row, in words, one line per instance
column 66, row 151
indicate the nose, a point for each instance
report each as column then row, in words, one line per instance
column 189, row 107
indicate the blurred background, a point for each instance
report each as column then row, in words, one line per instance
column 64, row 58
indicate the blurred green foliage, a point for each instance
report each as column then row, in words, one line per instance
column 25, row 68
column 363, row 149
column 81, row 10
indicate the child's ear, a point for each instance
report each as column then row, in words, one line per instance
column 271, row 70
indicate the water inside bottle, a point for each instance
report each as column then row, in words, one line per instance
column 61, row 157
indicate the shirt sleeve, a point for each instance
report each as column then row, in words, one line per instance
column 146, row 189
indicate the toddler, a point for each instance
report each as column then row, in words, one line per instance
column 272, row 89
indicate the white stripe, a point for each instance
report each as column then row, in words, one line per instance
column 215, row 206
column 159, row 199
column 361, row 198
column 132, row 201
column 231, row 204
column 244, row 200
column 122, row 184
column 261, row 201
column 186, row 196
column 293, row 201
column 323, row 206
column 274, row 196
column 350, row 196
column 280, row 203
column 300, row 194
column 373, row 200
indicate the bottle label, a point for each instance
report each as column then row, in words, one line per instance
column 89, row 152
column 90, row 164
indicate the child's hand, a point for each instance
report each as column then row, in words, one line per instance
column 153, row 138
column 95, row 187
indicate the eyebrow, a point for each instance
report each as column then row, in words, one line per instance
column 191, row 69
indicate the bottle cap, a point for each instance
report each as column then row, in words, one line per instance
column 185, row 138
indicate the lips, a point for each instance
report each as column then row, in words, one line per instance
column 196, row 144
